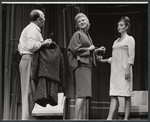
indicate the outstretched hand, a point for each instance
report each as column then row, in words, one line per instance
column 99, row 58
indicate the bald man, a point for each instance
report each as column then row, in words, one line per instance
column 30, row 41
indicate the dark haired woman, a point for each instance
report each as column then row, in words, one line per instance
column 121, row 68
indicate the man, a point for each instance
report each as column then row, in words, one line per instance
column 30, row 41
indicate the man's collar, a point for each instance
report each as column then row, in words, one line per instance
column 33, row 24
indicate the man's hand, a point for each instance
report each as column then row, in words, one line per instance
column 47, row 42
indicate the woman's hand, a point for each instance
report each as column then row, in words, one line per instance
column 92, row 47
column 127, row 73
column 99, row 58
column 102, row 48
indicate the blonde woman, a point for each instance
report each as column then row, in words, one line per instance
column 82, row 58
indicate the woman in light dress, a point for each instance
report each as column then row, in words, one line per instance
column 122, row 59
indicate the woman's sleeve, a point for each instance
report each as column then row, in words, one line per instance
column 131, row 50
column 77, row 47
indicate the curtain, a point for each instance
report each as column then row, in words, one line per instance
column 104, row 20
column 6, row 82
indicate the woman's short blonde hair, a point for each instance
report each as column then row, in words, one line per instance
column 81, row 15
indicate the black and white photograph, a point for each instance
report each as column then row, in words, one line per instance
column 74, row 61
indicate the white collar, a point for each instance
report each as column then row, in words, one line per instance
column 31, row 23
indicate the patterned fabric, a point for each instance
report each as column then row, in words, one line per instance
column 48, row 72
column 48, row 62
column 47, row 91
